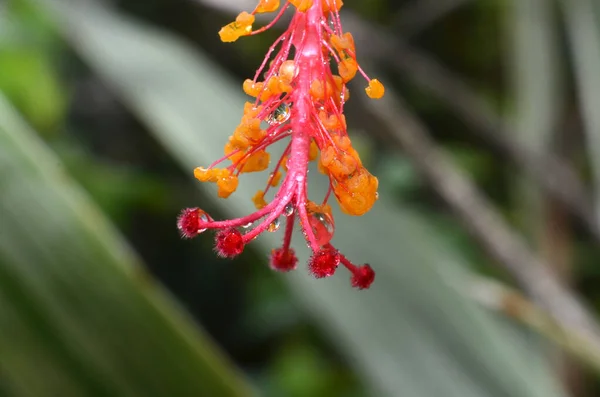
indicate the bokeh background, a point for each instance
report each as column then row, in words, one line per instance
column 485, row 238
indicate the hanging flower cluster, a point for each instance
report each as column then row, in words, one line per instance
column 301, row 98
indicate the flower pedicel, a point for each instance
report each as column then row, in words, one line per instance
column 301, row 100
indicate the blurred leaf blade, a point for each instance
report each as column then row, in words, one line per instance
column 412, row 333
column 80, row 321
column 582, row 18
column 536, row 90
column 535, row 83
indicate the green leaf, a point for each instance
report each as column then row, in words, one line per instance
column 582, row 19
column 77, row 315
column 29, row 77
column 536, row 90
column 412, row 333
column 30, row 82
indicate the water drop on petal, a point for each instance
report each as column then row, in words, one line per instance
column 202, row 218
column 191, row 221
column 279, row 115
column 274, row 226
column 289, row 209
column 322, row 226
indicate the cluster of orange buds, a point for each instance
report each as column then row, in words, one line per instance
column 300, row 99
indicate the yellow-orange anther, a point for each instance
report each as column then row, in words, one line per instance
column 276, row 179
column 347, row 69
column 332, row 122
column 284, row 87
column 242, row 26
column 259, row 200
column 319, row 90
column 249, row 129
column 343, row 42
column 244, row 19
column 274, row 86
column 251, row 88
column 375, row 89
column 239, row 139
column 255, row 135
column 342, row 142
column 246, row 135
column 313, row 152
column 358, row 193
column 226, row 182
column 287, row 71
column 257, row 161
column 209, row 174
column 250, row 123
column 250, row 110
column 302, row 5
column 267, row 6
column 267, row 93
column 230, row 150
column 227, row 185
column 248, row 132
column 339, row 86
column 340, row 164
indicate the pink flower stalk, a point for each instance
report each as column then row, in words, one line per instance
column 302, row 99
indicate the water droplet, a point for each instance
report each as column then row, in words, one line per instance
column 274, row 226
column 202, row 218
column 247, row 225
column 279, row 115
column 322, row 226
column 289, row 209
column 376, row 195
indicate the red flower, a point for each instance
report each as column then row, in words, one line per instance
column 301, row 100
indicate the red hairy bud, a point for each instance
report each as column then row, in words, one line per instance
column 229, row 243
column 188, row 222
column 363, row 277
column 283, row 260
column 324, row 262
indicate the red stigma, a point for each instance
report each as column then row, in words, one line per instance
column 188, row 222
column 362, row 277
column 229, row 243
column 324, row 262
column 283, row 260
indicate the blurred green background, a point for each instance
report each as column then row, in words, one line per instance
column 107, row 106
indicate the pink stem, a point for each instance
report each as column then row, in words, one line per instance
column 273, row 22
column 309, row 57
column 289, row 229
column 238, row 221
column 285, row 153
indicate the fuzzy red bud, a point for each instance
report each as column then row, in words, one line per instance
column 283, row 260
column 324, row 262
column 229, row 243
column 363, row 277
column 189, row 221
